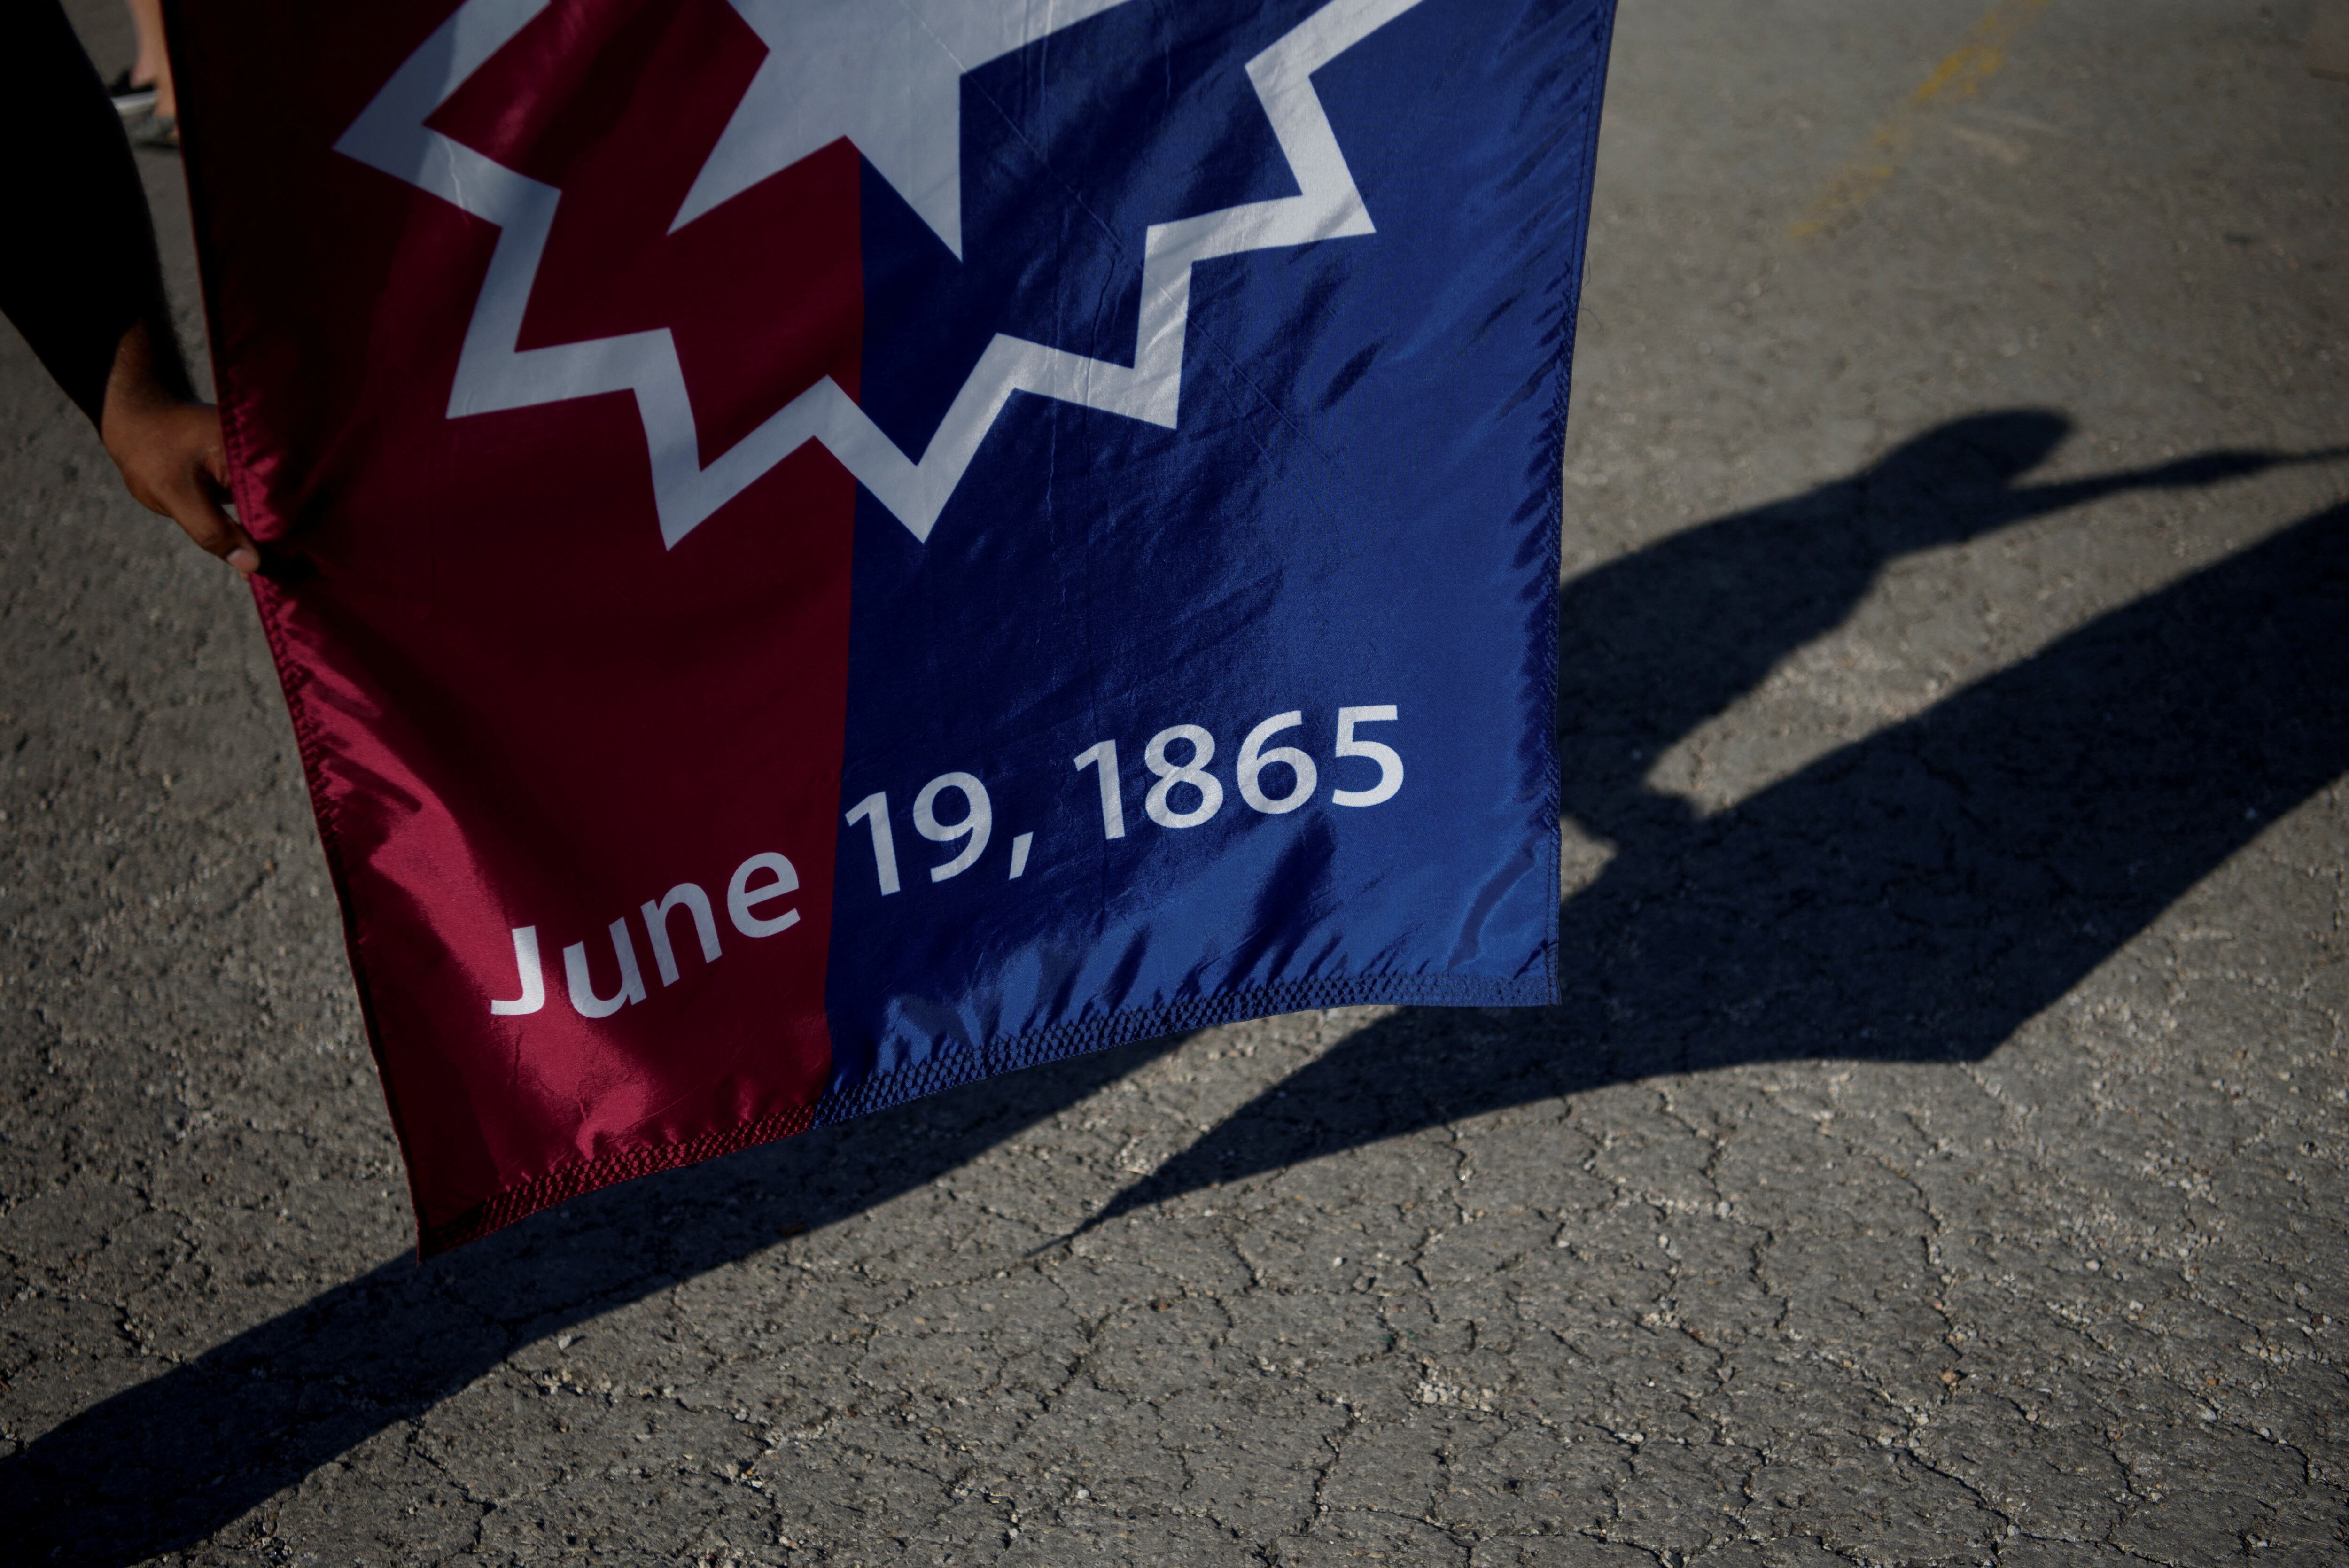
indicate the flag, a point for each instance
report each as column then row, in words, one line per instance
column 824, row 549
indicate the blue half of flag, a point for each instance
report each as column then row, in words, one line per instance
column 1251, row 711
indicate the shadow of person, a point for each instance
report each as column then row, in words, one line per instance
column 1916, row 895
column 1653, row 645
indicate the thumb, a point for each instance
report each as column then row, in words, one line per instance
column 191, row 498
column 185, row 469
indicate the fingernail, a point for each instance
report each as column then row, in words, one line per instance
column 245, row 558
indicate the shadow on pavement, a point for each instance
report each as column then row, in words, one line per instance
column 1916, row 897
column 173, row 1460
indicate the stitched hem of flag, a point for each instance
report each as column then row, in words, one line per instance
column 941, row 1073
column 952, row 1070
column 573, row 1180
column 293, row 678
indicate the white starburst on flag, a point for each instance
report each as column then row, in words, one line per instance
column 494, row 373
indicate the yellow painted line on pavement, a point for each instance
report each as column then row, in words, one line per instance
column 1960, row 76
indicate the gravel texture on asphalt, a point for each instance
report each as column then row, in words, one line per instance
column 1939, row 1156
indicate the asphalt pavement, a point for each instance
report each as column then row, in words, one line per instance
column 1938, row 1155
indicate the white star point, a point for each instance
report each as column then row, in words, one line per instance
column 886, row 74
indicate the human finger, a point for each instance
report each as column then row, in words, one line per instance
column 190, row 500
column 174, row 462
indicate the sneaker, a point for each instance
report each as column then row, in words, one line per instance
column 158, row 131
column 130, row 100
